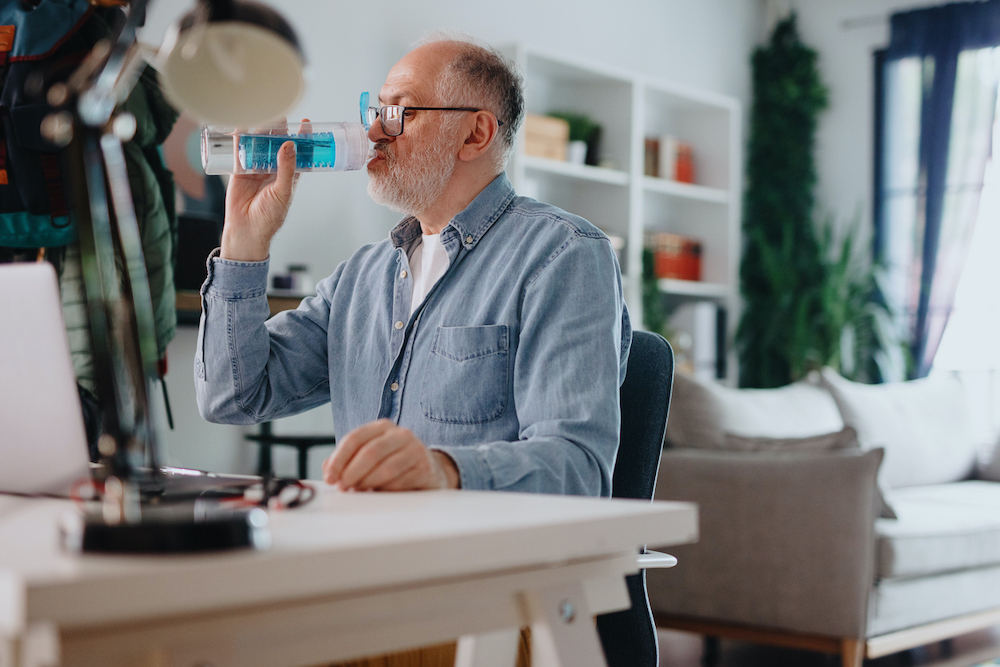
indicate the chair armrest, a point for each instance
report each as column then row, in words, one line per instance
column 655, row 560
column 787, row 540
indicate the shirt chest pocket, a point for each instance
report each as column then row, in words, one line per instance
column 467, row 375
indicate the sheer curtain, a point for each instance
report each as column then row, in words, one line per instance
column 971, row 340
column 938, row 107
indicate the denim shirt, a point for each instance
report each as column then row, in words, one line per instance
column 511, row 365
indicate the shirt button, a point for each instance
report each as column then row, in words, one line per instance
column 394, row 386
column 402, row 274
column 468, row 239
column 399, row 325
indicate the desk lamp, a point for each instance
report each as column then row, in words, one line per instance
column 232, row 63
column 228, row 61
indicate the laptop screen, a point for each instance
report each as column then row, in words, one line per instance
column 43, row 447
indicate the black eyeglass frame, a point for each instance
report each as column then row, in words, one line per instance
column 402, row 114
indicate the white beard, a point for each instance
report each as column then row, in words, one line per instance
column 413, row 187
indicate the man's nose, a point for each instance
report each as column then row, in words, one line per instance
column 376, row 134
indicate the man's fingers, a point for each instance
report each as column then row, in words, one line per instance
column 326, row 469
column 414, row 479
column 389, row 469
column 305, row 127
column 349, row 445
column 279, row 127
column 370, row 456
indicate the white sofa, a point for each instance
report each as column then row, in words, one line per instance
column 798, row 546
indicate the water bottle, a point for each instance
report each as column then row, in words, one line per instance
column 318, row 147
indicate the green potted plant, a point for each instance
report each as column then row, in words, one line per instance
column 810, row 300
column 584, row 133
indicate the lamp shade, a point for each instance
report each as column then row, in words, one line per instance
column 232, row 62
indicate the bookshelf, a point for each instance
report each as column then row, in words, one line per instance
column 620, row 198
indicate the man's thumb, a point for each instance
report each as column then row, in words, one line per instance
column 286, row 169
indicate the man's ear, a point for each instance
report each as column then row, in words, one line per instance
column 482, row 131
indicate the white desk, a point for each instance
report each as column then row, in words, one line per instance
column 351, row 574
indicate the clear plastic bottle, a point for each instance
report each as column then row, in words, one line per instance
column 318, row 147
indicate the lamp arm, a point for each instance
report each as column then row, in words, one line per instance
column 123, row 336
column 118, row 75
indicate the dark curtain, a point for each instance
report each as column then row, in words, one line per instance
column 939, row 78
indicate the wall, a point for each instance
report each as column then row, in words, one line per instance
column 351, row 46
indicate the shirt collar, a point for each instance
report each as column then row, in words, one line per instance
column 471, row 223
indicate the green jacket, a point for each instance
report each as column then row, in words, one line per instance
column 154, row 198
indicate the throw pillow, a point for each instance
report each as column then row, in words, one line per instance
column 922, row 424
column 702, row 414
column 846, row 438
column 828, row 442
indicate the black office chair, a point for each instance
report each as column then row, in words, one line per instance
column 267, row 439
column 629, row 636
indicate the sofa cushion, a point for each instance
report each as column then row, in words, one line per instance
column 922, row 424
column 702, row 414
column 940, row 528
column 905, row 603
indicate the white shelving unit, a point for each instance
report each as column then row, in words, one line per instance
column 618, row 197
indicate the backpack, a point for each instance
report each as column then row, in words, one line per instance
column 39, row 45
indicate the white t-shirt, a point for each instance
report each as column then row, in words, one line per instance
column 428, row 262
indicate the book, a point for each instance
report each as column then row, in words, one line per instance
column 684, row 165
column 700, row 339
column 651, row 157
column 668, row 157
column 545, row 137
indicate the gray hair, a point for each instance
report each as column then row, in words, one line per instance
column 482, row 77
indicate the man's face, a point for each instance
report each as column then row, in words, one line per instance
column 412, row 170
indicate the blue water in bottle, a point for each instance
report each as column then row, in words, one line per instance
column 312, row 151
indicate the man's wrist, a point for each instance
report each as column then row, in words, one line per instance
column 244, row 252
column 449, row 469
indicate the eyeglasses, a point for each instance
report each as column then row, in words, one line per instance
column 391, row 115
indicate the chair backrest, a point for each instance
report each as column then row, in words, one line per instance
column 629, row 636
column 645, row 401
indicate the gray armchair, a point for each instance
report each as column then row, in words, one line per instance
column 786, row 554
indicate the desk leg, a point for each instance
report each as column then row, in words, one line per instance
column 38, row 647
column 562, row 628
column 8, row 651
column 493, row 649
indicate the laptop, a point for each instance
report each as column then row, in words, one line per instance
column 43, row 445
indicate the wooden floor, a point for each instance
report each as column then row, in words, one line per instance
column 680, row 649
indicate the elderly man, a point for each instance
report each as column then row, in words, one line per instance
column 480, row 346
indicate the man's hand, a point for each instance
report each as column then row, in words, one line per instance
column 385, row 457
column 256, row 206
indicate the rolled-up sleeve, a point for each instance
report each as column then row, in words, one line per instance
column 248, row 368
